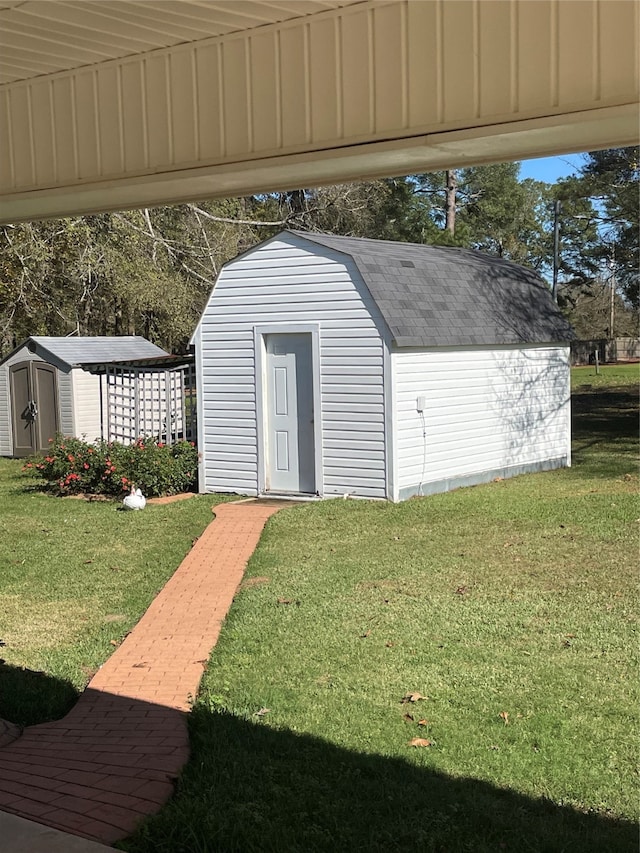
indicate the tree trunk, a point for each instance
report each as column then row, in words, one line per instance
column 450, row 201
column 117, row 317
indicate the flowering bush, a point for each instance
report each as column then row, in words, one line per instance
column 73, row 466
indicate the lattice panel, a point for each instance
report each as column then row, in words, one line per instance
column 144, row 403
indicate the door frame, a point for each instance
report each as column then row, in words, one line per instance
column 261, row 379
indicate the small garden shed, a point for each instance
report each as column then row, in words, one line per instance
column 342, row 366
column 47, row 386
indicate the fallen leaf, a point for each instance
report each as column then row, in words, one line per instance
column 142, row 665
column 248, row 583
column 285, row 601
column 504, row 715
column 86, row 562
column 114, row 642
column 419, row 741
column 389, row 644
column 461, row 590
column 407, row 718
column 423, row 722
column 495, row 748
column 366, row 634
column 261, row 712
column 412, row 697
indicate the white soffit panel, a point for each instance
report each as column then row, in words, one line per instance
column 47, row 36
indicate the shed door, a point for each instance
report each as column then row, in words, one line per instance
column 45, row 393
column 34, row 407
column 290, row 445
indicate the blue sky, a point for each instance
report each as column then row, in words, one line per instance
column 550, row 169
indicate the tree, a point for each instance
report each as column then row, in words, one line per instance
column 612, row 179
column 150, row 271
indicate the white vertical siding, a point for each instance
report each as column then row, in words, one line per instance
column 487, row 410
column 282, row 282
column 65, row 401
column 86, row 404
column 6, row 439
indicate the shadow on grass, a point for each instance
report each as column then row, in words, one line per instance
column 605, row 423
column 253, row 789
column 250, row 788
column 28, row 697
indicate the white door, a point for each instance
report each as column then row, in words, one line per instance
column 290, row 445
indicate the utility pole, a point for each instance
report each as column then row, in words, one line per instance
column 556, row 248
column 612, row 292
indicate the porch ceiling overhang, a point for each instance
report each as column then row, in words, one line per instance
column 126, row 103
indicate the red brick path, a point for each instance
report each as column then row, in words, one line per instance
column 113, row 759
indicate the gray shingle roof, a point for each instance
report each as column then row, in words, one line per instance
column 441, row 296
column 75, row 351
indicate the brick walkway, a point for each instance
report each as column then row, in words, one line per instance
column 114, row 758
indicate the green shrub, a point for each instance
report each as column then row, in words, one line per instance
column 73, row 466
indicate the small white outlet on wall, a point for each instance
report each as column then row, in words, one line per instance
column 421, row 404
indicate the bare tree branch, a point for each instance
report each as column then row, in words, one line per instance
column 232, row 221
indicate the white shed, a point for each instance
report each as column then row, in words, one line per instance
column 342, row 366
column 44, row 389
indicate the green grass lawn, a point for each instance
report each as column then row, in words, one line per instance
column 511, row 607
column 74, row 579
column 609, row 376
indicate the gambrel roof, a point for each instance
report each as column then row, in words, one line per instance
column 441, row 296
column 75, row 351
